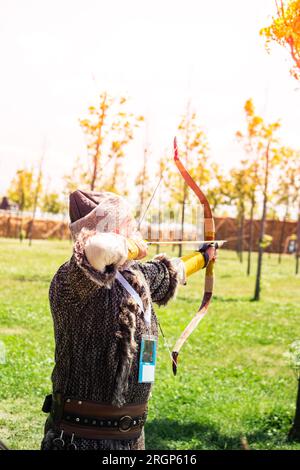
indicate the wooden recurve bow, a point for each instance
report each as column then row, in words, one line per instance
column 209, row 235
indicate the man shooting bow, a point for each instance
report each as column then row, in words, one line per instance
column 101, row 303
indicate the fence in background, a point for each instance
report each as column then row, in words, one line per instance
column 227, row 228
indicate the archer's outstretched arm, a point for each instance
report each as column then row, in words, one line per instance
column 193, row 262
column 186, row 265
column 106, row 249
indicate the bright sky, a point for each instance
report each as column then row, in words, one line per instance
column 159, row 52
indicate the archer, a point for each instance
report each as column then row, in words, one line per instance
column 105, row 327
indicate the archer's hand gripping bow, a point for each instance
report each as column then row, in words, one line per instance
column 209, row 234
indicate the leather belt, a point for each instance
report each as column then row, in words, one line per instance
column 94, row 420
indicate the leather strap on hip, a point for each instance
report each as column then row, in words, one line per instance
column 93, row 420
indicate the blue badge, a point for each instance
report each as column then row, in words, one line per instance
column 147, row 359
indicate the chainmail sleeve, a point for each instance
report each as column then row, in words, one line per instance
column 162, row 277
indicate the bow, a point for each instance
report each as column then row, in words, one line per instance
column 209, row 234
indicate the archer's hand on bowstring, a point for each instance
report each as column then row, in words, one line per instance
column 105, row 249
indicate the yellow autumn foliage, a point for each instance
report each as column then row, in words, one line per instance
column 285, row 30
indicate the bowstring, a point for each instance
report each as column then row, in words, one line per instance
column 166, row 344
column 149, row 203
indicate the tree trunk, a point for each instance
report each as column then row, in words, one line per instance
column 98, row 144
column 35, row 202
column 272, row 228
column 21, row 226
column 159, row 216
column 262, row 229
column 298, row 242
column 282, row 233
column 237, row 240
column 142, row 194
column 115, row 174
column 241, row 238
column 143, row 182
column 250, row 236
column 294, row 434
column 182, row 218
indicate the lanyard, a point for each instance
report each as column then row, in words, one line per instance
column 137, row 298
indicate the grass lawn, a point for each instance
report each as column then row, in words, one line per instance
column 233, row 379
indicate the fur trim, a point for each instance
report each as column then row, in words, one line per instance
column 140, row 285
column 102, row 278
column 127, row 349
column 173, row 277
column 128, row 345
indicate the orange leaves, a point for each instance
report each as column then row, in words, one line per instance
column 257, row 131
column 115, row 146
column 249, row 107
column 260, row 143
column 285, row 30
column 108, row 128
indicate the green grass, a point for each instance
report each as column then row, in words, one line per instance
column 233, row 379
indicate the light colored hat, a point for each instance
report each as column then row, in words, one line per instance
column 102, row 212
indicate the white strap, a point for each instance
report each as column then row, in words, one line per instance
column 135, row 295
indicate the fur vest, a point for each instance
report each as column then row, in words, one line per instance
column 98, row 328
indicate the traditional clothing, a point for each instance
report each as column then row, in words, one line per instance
column 98, row 325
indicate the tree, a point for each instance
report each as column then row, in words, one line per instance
column 267, row 142
column 298, row 241
column 160, row 173
column 219, row 191
column 285, row 30
column 52, row 204
column 108, row 129
column 194, row 154
column 122, row 132
column 251, row 139
column 77, row 178
column 142, row 184
column 21, row 192
column 287, row 186
column 93, row 127
column 36, row 195
column 240, row 193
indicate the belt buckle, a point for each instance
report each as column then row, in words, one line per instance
column 125, row 423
